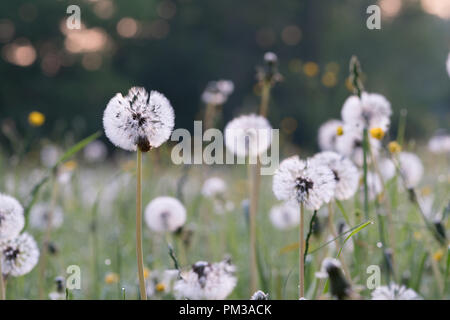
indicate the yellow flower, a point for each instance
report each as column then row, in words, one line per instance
column 417, row 235
column 111, row 278
column 160, row 287
column 426, row 191
column 36, row 119
column 377, row 133
column 438, row 255
column 340, row 131
column 146, row 273
column 394, row 147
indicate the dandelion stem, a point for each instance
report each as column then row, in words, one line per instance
column 140, row 259
column 252, row 220
column 265, row 94
column 366, row 190
column 2, row 284
column 302, row 247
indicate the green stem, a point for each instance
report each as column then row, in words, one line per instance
column 140, row 259
column 301, row 247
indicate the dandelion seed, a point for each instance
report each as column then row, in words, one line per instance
column 411, row 168
column 40, row 214
column 394, row 292
column 344, row 171
column 165, row 214
column 248, row 135
column 305, row 182
column 19, row 255
column 36, row 119
column 12, row 219
column 206, row 281
column 371, row 111
column 138, row 120
column 328, row 133
column 285, row 216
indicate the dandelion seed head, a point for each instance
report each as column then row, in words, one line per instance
column 270, row 57
column 411, row 168
column 345, row 173
column 12, row 219
column 217, row 92
column 374, row 185
column 328, row 133
column 95, row 151
column 350, row 144
column 387, row 168
column 165, row 214
column 439, row 144
column 248, row 135
column 260, row 295
column 19, row 255
column 307, row 182
column 372, row 111
column 285, row 216
column 327, row 265
column 161, row 282
column 213, row 186
column 205, row 281
column 138, row 120
column 394, row 292
column 40, row 214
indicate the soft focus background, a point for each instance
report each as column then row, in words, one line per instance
column 177, row 46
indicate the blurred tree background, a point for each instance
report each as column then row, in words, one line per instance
column 177, row 46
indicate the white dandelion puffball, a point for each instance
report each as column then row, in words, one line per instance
column 12, row 219
column 285, row 216
column 327, row 264
column 372, row 110
column 387, row 168
column 95, row 151
column 374, row 185
column 248, row 135
column 217, row 92
column 260, row 295
column 411, row 168
column 350, row 144
column 439, row 144
column 394, row 292
column 49, row 155
column 19, row 255
column 328, row 134
column 40, row 214
column 213, row 186
column 165, row 214
column 206, row 281
column 344, row 171
column 305, row 182
column 139, row 120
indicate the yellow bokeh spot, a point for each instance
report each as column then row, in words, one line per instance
column 329, row 79
column 36, row 119
column 377, row 133
column 111, row 278
column 160, row 287
column 438, row 255
column 417, row 235
column 394, row 147
column 311, row 69
column 426, row 191
column 340, row 131
column 146, row 273
column 348, row 84
column 70, row 165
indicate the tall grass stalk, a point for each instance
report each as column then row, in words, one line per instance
column 47, row 236
column 139, row 254
column 2, row 284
